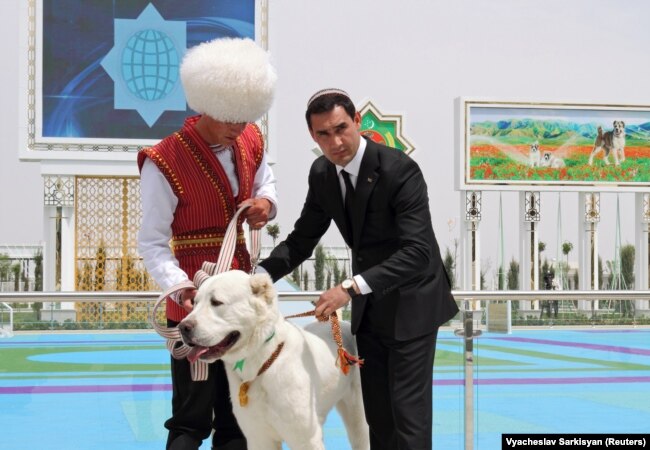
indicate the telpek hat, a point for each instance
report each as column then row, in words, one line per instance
column 229, row 79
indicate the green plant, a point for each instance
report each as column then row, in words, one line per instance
column 273, row 230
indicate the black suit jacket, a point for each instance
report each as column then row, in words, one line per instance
column 393, row 245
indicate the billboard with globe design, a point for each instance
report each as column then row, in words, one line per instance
column 109, row 71
column 150, row 82
column 553, row 146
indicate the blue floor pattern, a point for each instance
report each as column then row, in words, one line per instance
column 112, row 390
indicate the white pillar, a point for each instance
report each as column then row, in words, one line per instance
column 529, row 204
column 588, row 218
column 68, row 247
column 641, row 236
column 470, row 243
column 49, row 250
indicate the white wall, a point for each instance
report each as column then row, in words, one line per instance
column 410, row 57
column 21, row 186
column 414, row 57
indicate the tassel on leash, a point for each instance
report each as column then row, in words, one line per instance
column 344, row 359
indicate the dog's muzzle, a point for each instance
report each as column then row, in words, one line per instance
column 210, row 353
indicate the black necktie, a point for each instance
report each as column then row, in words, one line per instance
column 349, row 200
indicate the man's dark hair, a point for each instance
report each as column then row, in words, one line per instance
column 328, row 102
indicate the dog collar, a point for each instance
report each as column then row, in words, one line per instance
column 243, row 388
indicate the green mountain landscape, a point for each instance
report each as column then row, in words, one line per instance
column 549, row 132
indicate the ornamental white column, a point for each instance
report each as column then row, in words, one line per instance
column 470, row 243
column 642, row 254
column 588, row 219
column 530, row 204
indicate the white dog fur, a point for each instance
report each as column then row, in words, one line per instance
column 236, row 318
column 550, row 160
column 534, row 155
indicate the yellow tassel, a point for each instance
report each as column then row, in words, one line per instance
column 243, row 393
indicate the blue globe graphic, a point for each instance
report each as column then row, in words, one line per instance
column 150, row 65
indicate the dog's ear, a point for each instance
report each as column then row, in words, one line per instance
column 262, row 286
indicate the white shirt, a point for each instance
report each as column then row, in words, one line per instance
column 353, row 168
column 158, row 206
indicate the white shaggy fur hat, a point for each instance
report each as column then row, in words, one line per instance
column 230, row 80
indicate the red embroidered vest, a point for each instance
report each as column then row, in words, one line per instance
column 205, row 200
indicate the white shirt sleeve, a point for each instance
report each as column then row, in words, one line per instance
column 158, row 205
column 362, row 285
column 264, row 186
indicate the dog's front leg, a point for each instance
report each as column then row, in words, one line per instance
column 606, row 157
column 305, row 437
column 257, row 443
column 594, row 153
column 308, row 444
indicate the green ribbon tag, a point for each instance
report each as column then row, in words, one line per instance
column 239, row 365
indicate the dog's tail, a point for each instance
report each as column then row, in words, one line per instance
column 600, row 132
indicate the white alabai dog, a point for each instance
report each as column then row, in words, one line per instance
column 283, row 379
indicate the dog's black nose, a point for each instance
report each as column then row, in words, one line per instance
column 186, row 327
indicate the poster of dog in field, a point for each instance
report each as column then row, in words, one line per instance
column 548, row 146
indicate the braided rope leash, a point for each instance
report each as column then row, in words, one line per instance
column 344, row 360
column 174, row 343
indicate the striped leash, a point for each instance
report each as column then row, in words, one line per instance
column 174, row 343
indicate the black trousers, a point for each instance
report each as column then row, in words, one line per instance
column 198, row 407
column 396, row 381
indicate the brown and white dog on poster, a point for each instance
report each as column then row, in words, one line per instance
column 610, row 142
column 283, row 379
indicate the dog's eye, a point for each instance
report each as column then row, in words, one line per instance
column 215, row 302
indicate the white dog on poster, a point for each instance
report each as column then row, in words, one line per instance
column 552, row 161
column 283, row 379
column 534, row 155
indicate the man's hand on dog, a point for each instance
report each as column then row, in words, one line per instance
column 257, row 213
column 331, row 300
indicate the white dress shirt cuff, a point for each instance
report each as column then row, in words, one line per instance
column 362, row 285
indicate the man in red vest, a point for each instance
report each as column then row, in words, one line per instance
column 191, row 185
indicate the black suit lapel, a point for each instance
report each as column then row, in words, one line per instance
column 366, row 182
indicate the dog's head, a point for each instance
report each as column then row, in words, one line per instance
column 534, row 148
column 547, row 158
column 230, row 310
column 619, row 128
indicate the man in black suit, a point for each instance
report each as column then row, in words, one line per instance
column 400, row 293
